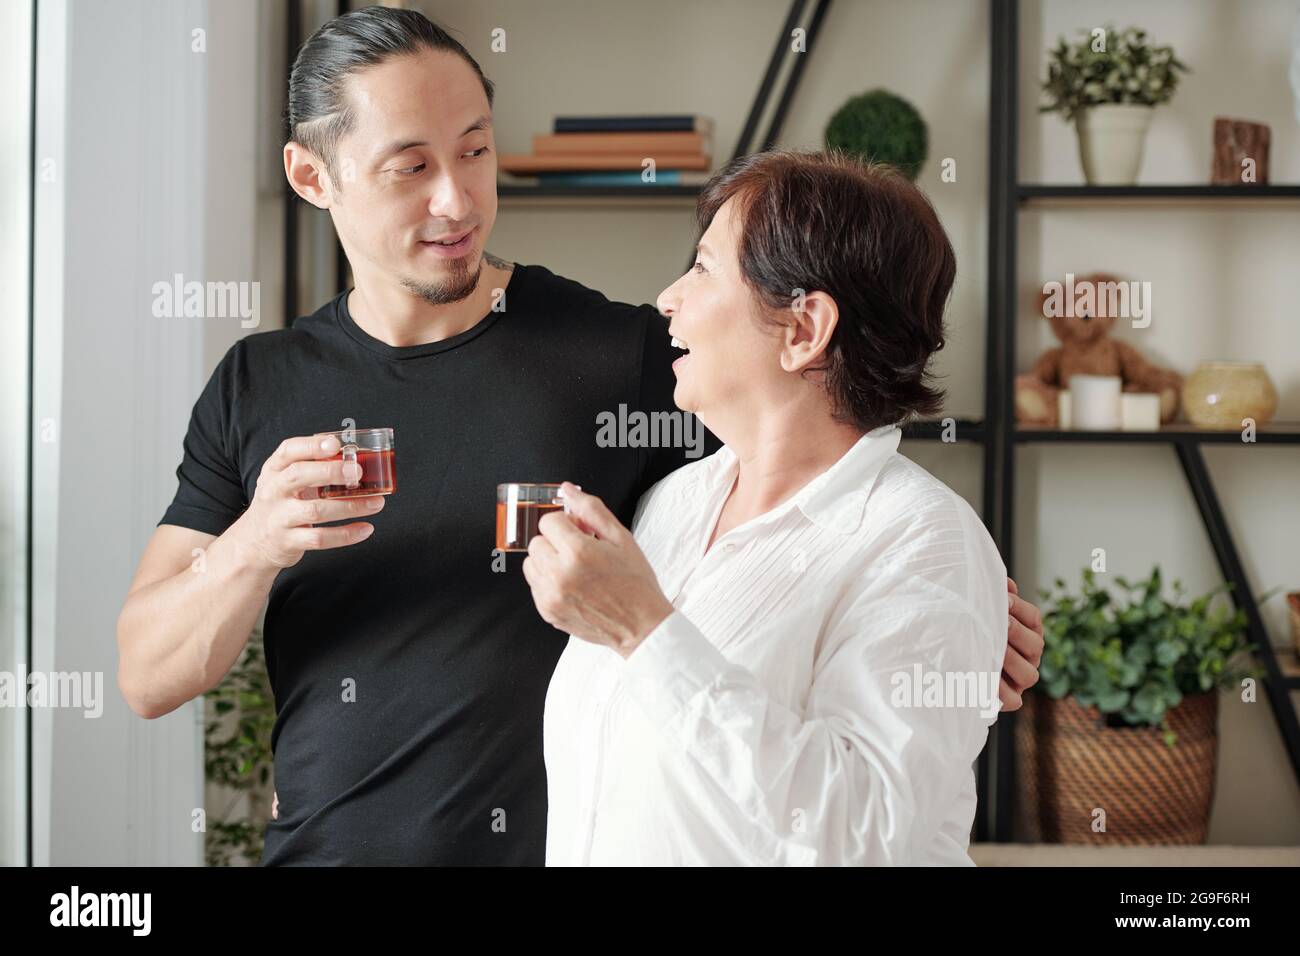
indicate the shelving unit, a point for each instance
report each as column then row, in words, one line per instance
column 776, row 61
column 1040, row 194
column 1007, row 198
column 1277, row 433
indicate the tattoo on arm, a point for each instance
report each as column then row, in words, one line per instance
column 498, row 263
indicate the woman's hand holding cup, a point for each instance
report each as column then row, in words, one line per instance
column 590, row 578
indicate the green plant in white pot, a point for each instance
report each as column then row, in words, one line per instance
column 1108, row 84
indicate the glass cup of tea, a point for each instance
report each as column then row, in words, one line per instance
column 520, row 506
column 372, row 449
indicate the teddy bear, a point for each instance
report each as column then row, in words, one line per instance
column 1087, row 349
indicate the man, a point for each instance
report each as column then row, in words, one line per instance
column 408, row 664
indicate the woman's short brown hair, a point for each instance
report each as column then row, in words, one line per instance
column 867, row 237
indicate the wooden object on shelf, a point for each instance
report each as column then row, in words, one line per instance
column 1293, row 605
column 647, row 144
column 1236, row 141
column 525, row 164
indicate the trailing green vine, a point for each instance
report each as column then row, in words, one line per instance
column 237, row 754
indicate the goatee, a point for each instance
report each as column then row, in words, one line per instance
column 457, row 286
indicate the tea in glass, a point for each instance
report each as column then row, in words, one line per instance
column 373, row 450
column 520, row 506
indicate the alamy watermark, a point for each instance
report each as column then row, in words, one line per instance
column 68, row 690
column 948, row 689
column 1093, row 299
column 179, row 299
column 624, row 429
column 132, row 911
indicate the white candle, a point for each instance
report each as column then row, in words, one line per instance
column 1139, row 412
column 1095, row 403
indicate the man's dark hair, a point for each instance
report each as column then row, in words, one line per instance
column 319, row 113
column 867, row 237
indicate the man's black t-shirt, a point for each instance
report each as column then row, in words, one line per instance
column 409, row 675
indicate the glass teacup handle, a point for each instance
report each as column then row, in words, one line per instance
column 350, row 455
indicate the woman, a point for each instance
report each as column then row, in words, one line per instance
column 794, row 656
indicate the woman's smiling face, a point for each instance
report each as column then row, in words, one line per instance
column 819, row 287
column 731, row 358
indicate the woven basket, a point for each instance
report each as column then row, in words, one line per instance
column 1072, row 763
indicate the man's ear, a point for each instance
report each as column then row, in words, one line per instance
column 306, row 174
column 807, row 335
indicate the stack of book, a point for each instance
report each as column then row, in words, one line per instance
column 592, row 151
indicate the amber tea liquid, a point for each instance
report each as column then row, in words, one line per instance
column 378, row 476
column 515, row 536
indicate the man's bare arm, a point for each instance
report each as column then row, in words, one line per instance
column 187, row 617
column 196, row 597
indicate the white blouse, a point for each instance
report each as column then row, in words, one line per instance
column 819, row 694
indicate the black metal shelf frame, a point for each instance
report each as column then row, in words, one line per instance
column 1006, row 197
column 1281, row 434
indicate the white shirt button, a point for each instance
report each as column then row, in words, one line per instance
column 728, row 547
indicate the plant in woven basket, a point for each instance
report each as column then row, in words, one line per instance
column 879, row 127
column 1119, row 68
column 1136, row 658
column 237, row 753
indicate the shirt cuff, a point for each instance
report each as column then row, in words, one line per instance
column 671, row 666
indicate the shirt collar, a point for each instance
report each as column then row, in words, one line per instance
column 835, row 499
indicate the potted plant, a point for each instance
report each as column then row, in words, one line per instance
column 1121, row 746
column 1107, row 85
column 880, row 127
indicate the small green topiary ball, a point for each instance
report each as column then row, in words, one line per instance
column 880, row 127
